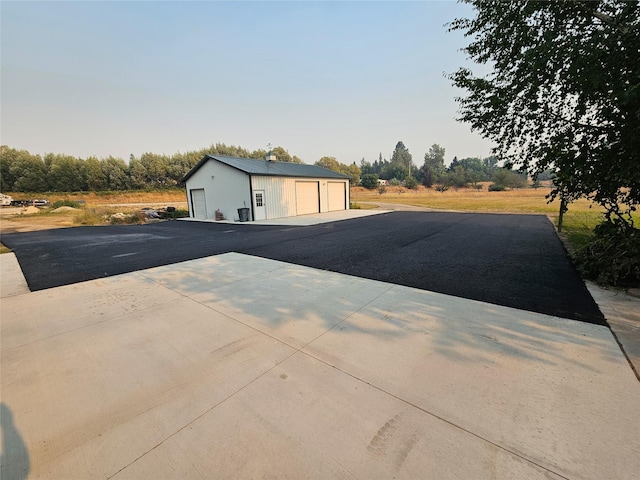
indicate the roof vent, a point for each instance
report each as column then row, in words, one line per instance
column 271, row 157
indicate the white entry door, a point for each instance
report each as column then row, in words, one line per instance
column 259, row 207
column 199, row 203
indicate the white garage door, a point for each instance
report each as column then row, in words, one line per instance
column 199, row 203
column 307, row 198
column 337, row 196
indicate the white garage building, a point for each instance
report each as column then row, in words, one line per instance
column 268, row 189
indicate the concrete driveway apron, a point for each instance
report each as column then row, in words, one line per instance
column 235, row 366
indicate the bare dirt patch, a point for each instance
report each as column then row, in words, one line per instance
column 97, row 206
column 33, row 222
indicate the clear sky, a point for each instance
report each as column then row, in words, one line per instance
column 341, row 79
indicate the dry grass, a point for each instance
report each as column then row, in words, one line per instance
column 514, row 201
column 96, row 210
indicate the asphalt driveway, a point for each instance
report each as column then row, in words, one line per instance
column 510, row 260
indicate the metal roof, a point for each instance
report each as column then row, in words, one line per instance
column 253, row 166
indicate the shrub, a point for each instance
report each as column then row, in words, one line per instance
column 613, row 256
column 369, row 181
column 411, row 183
column 65, row 203
column 180, row 213
column 90, row 216
column 495, row 187
column 394, row 182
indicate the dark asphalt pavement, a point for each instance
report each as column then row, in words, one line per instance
column 511, row 260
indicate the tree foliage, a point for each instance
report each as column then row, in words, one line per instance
column 505, row 178
column 370, row 180
column 402, row 161
column 411, row 182
column 398, row 168
column 433, row 166
column 21, row 171
column 563, row 93
column 330, row 163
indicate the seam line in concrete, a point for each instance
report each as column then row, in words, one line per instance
column 300, row 350
column 347, row 317
column 233, row 394
column 110, row 319
column 624, row 352
column 296, row 351
column 438, row 417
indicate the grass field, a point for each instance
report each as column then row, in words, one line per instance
column 513, row 201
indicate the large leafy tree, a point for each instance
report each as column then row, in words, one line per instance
column 9, row 157
column 66, row 173
column 96, row 178
column 30, row 174
column 563, row 93
column 116, row 173
column 330, row 163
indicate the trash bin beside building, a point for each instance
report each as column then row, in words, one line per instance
column 243, row 214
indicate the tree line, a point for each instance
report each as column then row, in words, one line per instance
column 21, row 171
column 463, row 173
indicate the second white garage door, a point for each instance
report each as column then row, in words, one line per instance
column 307, row 198
column 336, row 192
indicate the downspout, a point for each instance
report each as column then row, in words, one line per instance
column 253, row 215
column 186, row 194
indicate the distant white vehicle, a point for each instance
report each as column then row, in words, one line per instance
column 5, row 200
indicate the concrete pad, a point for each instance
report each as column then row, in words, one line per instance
column 272, row 369
column 206, row 274
column 89, row 401
column 51, row 312
column 12, row 281
column 546, row 388
column 293, row 304
column 305, row 419
column 622, row 312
